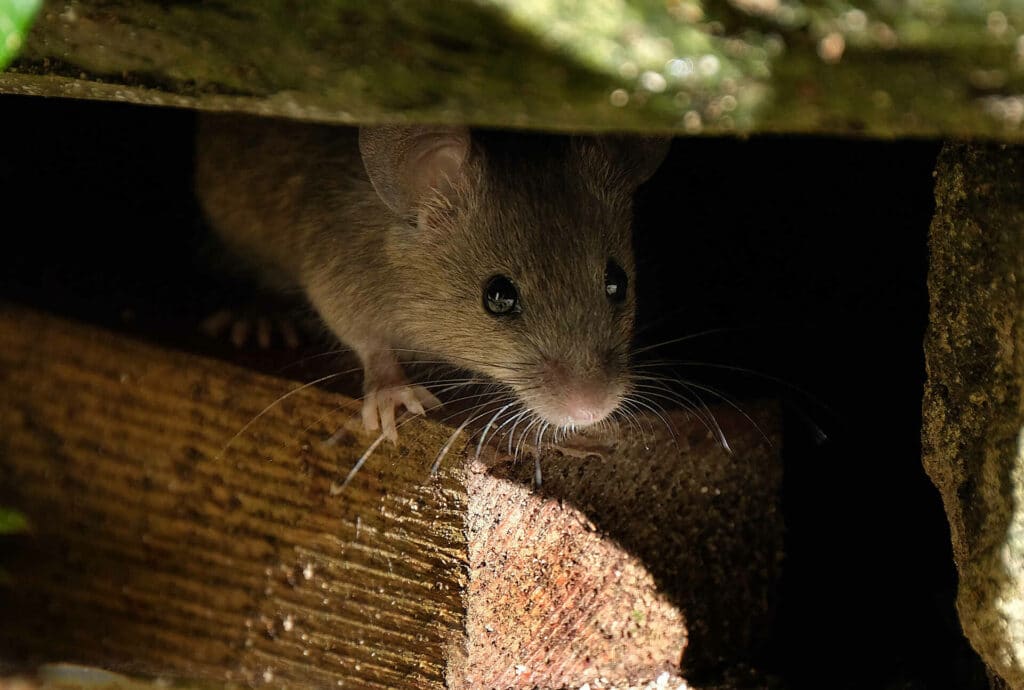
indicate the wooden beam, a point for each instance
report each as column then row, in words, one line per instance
column 181, row 530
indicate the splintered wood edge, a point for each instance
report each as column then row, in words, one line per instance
column 175, row 545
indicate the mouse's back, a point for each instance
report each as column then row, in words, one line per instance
column 254, row 180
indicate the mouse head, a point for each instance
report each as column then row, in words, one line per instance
column 514, row 252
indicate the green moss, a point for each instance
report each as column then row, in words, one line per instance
column 15, row 18
column 879, row 67
column 12, row 522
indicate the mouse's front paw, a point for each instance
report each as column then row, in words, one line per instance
column 379, row 406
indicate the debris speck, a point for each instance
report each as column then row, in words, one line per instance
column 692, row 122
column 709, row 65
column 653, row 82
column 996, row 23
column 680, row 68
column 832, row 47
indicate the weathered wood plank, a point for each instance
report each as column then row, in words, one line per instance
column 743, row 65
column 159, row 550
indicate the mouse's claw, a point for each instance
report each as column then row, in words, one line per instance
column 379, row 407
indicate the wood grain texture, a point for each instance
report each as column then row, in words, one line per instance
column 643, row 554
column 167, row 542
column 158, row 550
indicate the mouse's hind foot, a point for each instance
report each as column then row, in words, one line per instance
column 241, row 329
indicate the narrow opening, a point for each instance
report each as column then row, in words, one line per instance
column 804, row 260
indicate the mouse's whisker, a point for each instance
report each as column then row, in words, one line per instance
column 278, row 401
column 694, row 405
column 529, row 386
column 681, row 339
column 523, row 436
column 634, row 413
column 510, row 366
column 625, row 415
column 402, row 421
column 698, row 410
column 309, row 358
column 451, row 383
column 731, row 403
column 665, row 392
column 722, row 440
column 540, row 438
column 436, row 465
column 697, row 389
column 336, row 489
column 670, row 316
column 513, row 419
column 657, row 411
column 485, row 403
column 512, row 433
column 483, row 435
column 666, row 363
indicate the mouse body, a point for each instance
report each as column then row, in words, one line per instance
column 505, row 254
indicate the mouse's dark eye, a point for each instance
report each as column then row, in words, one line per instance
column 501, row 297
column 615, row 282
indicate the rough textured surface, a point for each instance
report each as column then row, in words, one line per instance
column 684, row 65
column 974, row 398
column 161, row 547
column 667, row 524
column 165, row 543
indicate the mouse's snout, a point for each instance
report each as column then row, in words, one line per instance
column 577, row 397
column 583, row 408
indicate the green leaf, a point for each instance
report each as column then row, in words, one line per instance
column 15, row 18
column 10, row 520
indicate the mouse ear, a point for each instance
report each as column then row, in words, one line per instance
column 406, row 162
column 634, row 158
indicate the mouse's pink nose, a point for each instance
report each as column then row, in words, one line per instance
column 576, row 398
column 587, row 408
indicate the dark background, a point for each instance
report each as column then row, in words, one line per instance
column 808, row 255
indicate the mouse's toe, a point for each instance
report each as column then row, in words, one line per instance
column 242, row 329
column 379, row 406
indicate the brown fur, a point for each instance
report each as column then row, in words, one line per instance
column 546, row 211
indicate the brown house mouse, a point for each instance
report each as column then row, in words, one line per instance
column 507, row 254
